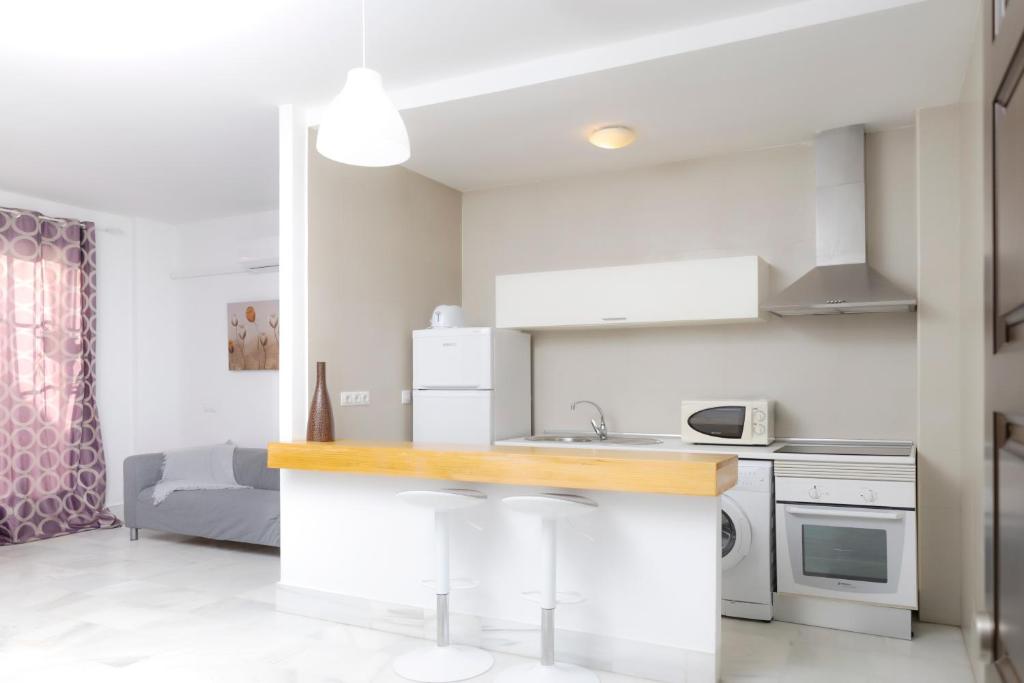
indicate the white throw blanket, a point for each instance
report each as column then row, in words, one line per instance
column 201, row 467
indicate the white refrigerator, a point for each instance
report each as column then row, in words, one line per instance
column 471, row 385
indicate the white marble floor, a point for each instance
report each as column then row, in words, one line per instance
column 94, row 607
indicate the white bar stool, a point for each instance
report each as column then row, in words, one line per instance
column 549, row 507
column 443, row 662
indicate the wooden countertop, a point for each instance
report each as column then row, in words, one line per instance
column 637, row 471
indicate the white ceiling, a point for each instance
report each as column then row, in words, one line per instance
column 778, row 89
column 167, row 108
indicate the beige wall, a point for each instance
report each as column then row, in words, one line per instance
column 383, row 251
column 837, row 376
column 972, row 344
column 939, row 377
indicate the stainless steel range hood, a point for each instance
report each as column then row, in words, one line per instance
column 842, row 281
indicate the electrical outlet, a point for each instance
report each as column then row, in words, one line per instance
column 355, row 398
column 406, row 396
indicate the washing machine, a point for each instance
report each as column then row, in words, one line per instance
column 748, row 543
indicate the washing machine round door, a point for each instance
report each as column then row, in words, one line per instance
column 735, row 533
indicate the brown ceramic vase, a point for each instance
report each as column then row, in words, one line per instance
column 320, row 426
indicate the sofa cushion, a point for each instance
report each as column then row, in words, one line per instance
column 245, row 515
column 251, row 469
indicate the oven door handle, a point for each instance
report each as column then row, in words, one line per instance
column 852, row 514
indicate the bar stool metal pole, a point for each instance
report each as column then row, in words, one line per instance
column 443, row 662
column 549, row 507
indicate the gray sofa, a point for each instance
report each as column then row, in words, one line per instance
column 245, row 515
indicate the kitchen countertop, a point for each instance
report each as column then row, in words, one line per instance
column 673, row 444
column 642, row 469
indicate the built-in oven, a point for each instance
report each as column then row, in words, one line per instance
column 853, row 539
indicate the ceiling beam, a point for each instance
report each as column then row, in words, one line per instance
column 802, row 14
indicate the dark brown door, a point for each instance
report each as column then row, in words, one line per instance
column 1005, row 364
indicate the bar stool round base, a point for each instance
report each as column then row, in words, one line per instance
column 538, row 673
column 435, row 664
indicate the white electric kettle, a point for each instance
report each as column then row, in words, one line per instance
column 447, row 316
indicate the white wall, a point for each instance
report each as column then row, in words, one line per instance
column 215, row 404
column 162, row 378
column 183, row 392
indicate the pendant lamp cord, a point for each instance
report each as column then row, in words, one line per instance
column 364, row 33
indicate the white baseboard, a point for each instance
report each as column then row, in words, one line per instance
column 876, row 620
column 746, row 610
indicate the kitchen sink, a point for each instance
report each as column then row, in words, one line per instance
column 633, row 440
column 563, row 439
column 590, row 438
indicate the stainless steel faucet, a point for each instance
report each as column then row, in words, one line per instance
column 602, row 428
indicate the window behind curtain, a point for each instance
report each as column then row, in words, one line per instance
column 52, row 470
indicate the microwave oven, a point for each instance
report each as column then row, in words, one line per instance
column 748, row 423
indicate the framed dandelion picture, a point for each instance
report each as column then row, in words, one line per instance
column 253, row 335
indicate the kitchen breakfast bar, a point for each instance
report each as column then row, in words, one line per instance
column 638, row 575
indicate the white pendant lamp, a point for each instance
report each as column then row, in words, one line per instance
column 362, row 127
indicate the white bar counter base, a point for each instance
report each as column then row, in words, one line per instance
column 646, row 564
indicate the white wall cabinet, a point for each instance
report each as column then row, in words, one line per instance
column 670, row 293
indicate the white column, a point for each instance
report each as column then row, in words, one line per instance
column 293, row 392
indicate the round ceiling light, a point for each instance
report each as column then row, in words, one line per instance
column 612, row 137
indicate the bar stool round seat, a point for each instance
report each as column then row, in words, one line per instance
column 551, row 505
column 549, row 508
column 443, row 662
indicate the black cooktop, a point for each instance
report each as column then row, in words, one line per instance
column 901, row 450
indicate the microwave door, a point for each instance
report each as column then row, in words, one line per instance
column 721, row 422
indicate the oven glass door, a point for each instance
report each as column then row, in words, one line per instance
column 848, row 550
column 845, row 552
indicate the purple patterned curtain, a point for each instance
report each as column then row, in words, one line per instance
column 52, row 471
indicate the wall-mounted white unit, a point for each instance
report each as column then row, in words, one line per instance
column 250, row 265
column 670, row 293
